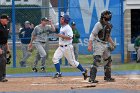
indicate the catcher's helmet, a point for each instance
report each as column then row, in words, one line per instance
column 66, row 18
column 104, row 13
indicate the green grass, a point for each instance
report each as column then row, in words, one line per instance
column 85, row 60
column 122, row 67
column 29, row 69
column 127, row 66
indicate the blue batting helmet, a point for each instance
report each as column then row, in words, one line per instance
column 66, row 18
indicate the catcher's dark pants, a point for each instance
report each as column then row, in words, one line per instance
column 3, row 62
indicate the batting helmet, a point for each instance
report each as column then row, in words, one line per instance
column 106, row 12
column 66, row 18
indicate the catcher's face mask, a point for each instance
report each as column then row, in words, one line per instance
column 106, row 15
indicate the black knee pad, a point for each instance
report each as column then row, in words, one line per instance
column 97, row 59
column 108, row 61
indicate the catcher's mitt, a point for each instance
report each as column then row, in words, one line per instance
column 112, row 47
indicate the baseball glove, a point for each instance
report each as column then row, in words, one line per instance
column 8, row 57
column 112, row 47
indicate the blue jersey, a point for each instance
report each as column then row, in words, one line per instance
column 25, row 35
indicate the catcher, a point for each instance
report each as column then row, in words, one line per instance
column 102, row 39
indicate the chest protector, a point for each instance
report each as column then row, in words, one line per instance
column 104, row 33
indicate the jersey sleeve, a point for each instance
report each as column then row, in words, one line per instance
column 70, row 33
column 20, row 33
column 95, row 31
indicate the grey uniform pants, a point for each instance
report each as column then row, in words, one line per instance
column 42, row 53
column 3, row 62
column 26, row 53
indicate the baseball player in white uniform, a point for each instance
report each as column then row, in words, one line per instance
column 65, row 48
column 40, row 38
column 101, row 37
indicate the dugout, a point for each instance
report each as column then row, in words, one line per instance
column 131, row 26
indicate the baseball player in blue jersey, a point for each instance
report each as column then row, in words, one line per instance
column 40, row 38
column 25, row 37
column 66, row 48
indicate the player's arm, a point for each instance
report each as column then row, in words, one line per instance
column 52, row 26
column 7, row 47
column 33, row 37
column 111, row 41
column 93, row 36
column 30, row 44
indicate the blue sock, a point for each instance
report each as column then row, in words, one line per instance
column 57, row 67
column 80, row 68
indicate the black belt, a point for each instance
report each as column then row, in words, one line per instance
column 43, row 42
column 63, row 45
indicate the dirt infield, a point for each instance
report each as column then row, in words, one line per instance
column 131, row 82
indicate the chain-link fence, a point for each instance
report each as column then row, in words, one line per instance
column 85, row 17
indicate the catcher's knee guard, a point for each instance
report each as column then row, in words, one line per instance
column 107, row 68
column 97, row 59
column 107, row 72
column 93, row 69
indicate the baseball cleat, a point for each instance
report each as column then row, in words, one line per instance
column 85, row 74
column 3, row 80
column 34, row 69
column 93, row 81
column 22, row 64
column 43, row 69
column 109, row 79
column 57, row 75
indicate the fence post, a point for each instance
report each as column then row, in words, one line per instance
column 65, row 11
column 14, row 33
column 122, row 32
column 59, row 14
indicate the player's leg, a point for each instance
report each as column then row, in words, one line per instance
column 37, row 58
column 98, row 51
column 46, row 47
column 42, row 53
column 56, row 57
column 107, row 67
column 22, row 62
column 69, row 54
column 3, row 65
column 26, row 54
column 93, row 69
column 76, row 50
